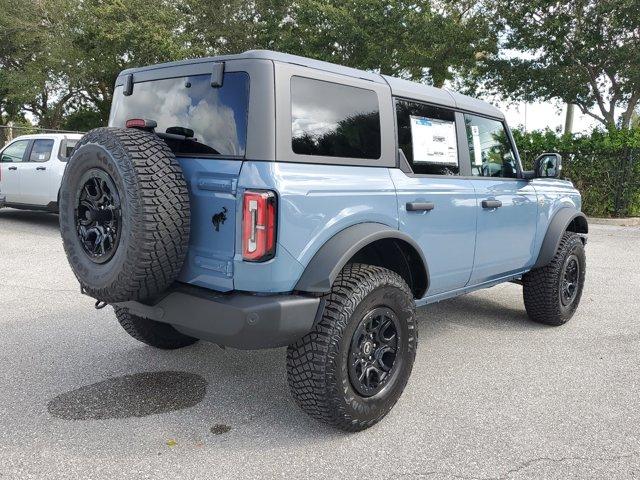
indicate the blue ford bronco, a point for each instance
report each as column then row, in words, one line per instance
column 262, row 200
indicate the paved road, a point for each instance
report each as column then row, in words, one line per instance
column 492, row 395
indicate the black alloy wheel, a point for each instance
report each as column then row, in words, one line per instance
column 373, row 351
column 570, row 279
column 98, row 215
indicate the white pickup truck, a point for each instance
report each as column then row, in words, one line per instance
column 31, row 169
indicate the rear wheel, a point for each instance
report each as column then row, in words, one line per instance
column 552, row 293
column 156, row 334
column 352, row 368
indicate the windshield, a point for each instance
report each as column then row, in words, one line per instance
column 217, row 116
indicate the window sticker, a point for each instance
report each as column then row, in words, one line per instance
column 477, row 149
column 433, row 141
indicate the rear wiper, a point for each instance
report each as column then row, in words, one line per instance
column 183, row 131
column 185, row 138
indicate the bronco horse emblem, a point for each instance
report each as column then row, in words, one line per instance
column 219, row 218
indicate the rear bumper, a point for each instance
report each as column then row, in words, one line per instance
column 238, row 320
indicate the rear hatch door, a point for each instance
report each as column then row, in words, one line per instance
column 206, row 127
column 212, row 191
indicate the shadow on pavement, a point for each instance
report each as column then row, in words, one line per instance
column 479, row 312
column 10, row 216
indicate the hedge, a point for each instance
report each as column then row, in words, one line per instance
column 604, row 166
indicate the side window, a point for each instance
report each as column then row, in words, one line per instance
column 66, row 148
column 334, row 120
column 427, row 137
column 490, row 150
column 14, row 152
column 41, row 151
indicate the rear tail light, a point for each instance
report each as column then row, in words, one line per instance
column 259, row 225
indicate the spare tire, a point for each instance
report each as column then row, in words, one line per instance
column 124, row 214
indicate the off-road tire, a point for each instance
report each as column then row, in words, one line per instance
column 156, row 334
column 317, row 364
column 542, row 286
column 155, row 214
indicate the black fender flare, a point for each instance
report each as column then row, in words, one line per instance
column 325, row 265
column 558, row 225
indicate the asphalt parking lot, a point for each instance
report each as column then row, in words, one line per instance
column 492, row 396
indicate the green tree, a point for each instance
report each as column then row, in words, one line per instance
column 413, row 40
column 32, row 61
column 583, row 52
column 108, row 36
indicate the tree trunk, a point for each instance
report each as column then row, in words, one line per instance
column 568, row 121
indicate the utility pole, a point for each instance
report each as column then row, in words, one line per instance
column 568, row 121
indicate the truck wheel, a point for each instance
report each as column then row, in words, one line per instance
column 352, row 367
column 156, row 334
column 552, row 293
column 124, row 214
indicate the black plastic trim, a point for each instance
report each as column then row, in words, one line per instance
column 235, row 319
column 127, row 90
column 217, row 74
column 557, row 227
column 325, row 265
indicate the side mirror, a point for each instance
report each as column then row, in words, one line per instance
column 548, row 165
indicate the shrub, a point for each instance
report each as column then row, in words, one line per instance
column 603, row 165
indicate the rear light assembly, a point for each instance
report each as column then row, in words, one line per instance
column 259, row 217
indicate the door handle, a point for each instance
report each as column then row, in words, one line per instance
column 420, row 206
column 12, row 168
column 41, row 168
column 491, row 203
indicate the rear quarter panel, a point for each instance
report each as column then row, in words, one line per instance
column 314, row 203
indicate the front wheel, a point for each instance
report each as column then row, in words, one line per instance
column 552, row 293
column 350, row 370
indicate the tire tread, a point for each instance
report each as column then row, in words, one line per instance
column 310, row 361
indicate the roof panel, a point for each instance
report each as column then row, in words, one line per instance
column 399, row 87
column 419, row 91
column 273, row 56
column 464, row 102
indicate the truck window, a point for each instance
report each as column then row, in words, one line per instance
column 14, row 152
column 490, row 149
column 66, row 147
column 334, row 120
column 214, row 119
column 41, row 151
column 427, row 137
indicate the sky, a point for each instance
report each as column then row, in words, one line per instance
column 538, row 116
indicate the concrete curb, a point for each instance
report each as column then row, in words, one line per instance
column 620, row 222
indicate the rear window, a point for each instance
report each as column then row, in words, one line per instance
column 66, row 148
column 217, row 116
column 334, row 120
